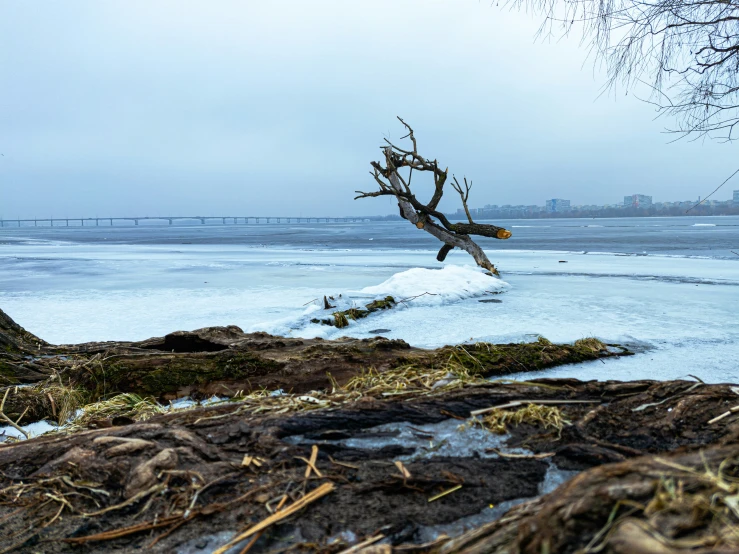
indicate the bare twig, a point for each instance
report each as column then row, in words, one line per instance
column 684, row 51
column 296, row 506
column 6, row 419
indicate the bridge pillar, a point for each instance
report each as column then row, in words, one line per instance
column 97, row 222
column 224, row 220
column 170, row 221
column 202, row 221
column 111, row 221
column 135, row 221
column 35, row 223
column 67, row 223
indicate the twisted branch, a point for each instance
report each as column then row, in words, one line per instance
column 425, row 216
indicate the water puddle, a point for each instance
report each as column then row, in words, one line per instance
column 450, row 438
column 554, row 478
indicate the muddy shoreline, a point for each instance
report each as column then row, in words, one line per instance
column 389, row 458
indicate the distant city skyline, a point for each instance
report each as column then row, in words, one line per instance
column 639, row 202
column 631, row 203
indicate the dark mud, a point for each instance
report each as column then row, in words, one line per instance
column 178, row 480
column 409, row 470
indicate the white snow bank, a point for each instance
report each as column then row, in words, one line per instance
column 417, row 287
column 433, row 287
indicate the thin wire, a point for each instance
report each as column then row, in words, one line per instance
column 709, row 196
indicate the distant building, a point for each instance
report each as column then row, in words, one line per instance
column 557, row 205
column 736, row 197
column 637, row 201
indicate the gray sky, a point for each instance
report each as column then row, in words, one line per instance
column 154, row 107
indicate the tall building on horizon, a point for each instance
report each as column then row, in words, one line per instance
column 736, row 197
column 557, row 205
column 637, row 201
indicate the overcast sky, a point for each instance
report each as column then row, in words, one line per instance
column 218, row 107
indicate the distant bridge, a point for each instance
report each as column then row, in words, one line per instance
column 218, row 220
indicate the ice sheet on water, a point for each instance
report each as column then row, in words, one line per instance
column 681, row 307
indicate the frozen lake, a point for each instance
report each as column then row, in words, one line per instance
column 667, row 286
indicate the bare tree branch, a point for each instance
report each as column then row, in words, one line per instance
column 6, row 419
column 687, row 51
column 425, row 216
column 463, row 194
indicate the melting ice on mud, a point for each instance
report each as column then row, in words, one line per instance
column 38, row 428
column 450, row 438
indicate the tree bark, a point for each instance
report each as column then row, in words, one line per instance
column 425, row 216
column 448, row 238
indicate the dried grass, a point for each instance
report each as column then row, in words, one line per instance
column 123, row 405
column 65, row 400
column 410, row 378
column 549, row 417
column 703, row 502
column 590, row 344
column 403, row 380
column 453, row 368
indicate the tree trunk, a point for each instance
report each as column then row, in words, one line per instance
column 449, row 239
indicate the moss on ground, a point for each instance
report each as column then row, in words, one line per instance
column 341, row 319
column 487, row 359
column 170, row 374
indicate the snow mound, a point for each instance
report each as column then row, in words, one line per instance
column 432, row 287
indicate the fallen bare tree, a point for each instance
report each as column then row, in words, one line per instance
column 426, row 216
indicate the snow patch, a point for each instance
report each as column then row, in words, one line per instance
column 33, row 429
column 432, row 287
column 412, row 288
column 187, row 402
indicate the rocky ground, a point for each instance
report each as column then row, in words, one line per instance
column 374, row 447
